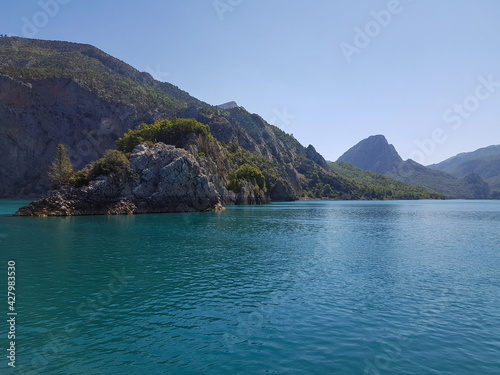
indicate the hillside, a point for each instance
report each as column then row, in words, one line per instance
column 381, row 186
column 484, row 162
column 60, row 92
column 375, row 154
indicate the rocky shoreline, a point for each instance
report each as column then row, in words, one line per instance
column 166, row 179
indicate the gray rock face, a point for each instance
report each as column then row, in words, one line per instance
column 168, row 179
column 38, row 114
column 249, row 196
column 282, row 191
column 316, row 157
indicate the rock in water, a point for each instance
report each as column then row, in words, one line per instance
column 166, row 179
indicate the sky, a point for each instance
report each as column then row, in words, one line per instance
column 424, row 73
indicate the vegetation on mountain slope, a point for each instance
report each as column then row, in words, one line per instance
column 246, row 173
column 173, row 132
column 375, row 154
column 380, row 186
column 484, row 162
column 111, row 78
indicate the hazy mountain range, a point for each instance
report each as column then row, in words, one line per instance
column 485, row 162
column 472, row 175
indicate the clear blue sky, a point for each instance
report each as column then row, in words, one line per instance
column 331, row 72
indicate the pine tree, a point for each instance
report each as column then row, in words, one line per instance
column 61, row 170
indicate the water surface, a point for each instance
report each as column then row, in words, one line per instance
column 289, row 288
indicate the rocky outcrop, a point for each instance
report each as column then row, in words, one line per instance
column 282, row 192
column 165, row 179
column 312, row 154
column 77, row 202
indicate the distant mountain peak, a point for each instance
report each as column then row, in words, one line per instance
column 228, row 105
column 373, row 154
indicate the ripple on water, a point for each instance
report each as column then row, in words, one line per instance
column 300, row 288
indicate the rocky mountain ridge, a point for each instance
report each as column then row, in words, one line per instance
column 375, row 154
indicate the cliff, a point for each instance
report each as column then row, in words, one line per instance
column 38, row 114
column 163, row 179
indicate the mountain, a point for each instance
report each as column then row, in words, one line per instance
column 228, row 105
column 375, row 154
column 379, row 185
column 484, row 162
column 55, row 92
column 61, row 92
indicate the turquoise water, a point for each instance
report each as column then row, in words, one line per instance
column 289, row 288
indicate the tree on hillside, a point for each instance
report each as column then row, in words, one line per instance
column 246, row 173
column 61, row 170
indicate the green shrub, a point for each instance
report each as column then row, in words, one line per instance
column 246, row 173
column 172, row 132
column 129, row 141
column 114, row 164
column 82, row 177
